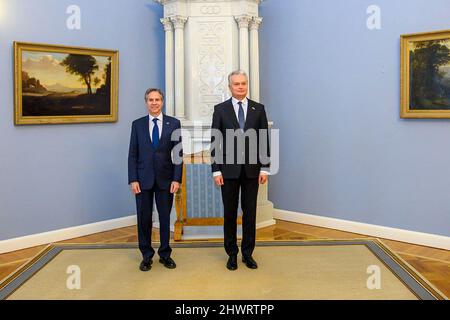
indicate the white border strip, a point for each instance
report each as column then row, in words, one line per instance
column 423, row 239
column 38, row 239
column 65, row 234
column 219, row 235
column 264, row 224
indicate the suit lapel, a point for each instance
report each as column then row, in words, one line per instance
column 147, row 131
column 250, row 114
column 232, row 115
column 165, row 130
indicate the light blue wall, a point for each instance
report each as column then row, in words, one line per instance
column 332, row 88
column 330, row 85
column 57, row 176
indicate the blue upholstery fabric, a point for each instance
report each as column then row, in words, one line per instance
column 204, row 198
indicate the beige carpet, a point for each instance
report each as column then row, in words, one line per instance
column 285, row 272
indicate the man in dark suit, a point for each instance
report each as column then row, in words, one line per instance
column 153, row 174
column 241, row 116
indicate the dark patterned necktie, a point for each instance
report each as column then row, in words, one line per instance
column 241, row 116
column 155, row 134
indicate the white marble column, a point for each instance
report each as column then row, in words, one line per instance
column 254, row 58
column 169, row 69
column 243, row 22
column 178, row 23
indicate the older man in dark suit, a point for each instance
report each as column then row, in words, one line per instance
column 154, row 174
column 244, row 170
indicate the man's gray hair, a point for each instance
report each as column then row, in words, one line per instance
column 235, row 73
column 150, row 90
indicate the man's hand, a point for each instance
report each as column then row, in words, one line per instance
column 219, row 180
column 262, row 178
column 135, row 188
column 174, row 187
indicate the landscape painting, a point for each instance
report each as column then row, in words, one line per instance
column 58, row 84
column 426, row 75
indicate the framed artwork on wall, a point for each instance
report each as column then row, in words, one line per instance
column 60, row 84
column 425, row 75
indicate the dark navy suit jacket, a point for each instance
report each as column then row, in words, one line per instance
column 224, row 118
column 146, row 164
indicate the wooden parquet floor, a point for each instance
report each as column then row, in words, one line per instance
column 432, row 263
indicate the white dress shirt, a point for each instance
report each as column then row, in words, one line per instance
column 235, row 102
column 159, row 124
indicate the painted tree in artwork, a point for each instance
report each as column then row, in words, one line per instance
column 106, row 87
column 83, row 66
column 429, row 85
column 97, row 81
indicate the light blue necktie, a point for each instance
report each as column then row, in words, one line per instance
column 241, row 116
column 155, row 134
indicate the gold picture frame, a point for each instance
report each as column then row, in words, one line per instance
column 425, row 75
column 56, row 84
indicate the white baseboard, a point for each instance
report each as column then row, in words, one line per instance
column 216, row 232
column 423, row 239
column 65, row 234
column 206, row 232
column 266, row 223
column 69, row 233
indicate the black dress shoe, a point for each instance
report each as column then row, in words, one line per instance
column 145, row 265
column 232, row 263
column 250, row 262
column 168, row 263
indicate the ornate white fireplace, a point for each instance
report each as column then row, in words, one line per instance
column 205, row 40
